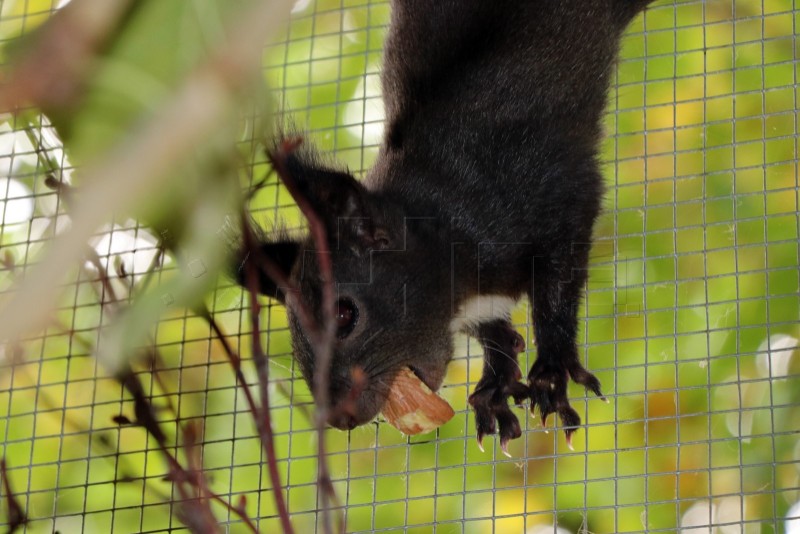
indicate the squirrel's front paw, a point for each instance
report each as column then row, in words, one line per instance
column 500, row 380
column 548, row 391
column 490, row 402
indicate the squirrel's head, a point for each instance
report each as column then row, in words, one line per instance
column 391, row 291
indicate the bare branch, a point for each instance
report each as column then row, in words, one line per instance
column 264, row 418
column 195, row 511
column 262, row 415
column 324, row 336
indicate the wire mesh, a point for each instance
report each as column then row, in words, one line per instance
column 690, row 319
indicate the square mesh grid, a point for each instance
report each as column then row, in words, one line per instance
column 690, row 320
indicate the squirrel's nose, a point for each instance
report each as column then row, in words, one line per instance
column 341, row 420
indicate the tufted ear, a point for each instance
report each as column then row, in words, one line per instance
column 283, row 253
column 341, row 202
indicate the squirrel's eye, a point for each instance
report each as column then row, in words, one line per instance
column 346, row 317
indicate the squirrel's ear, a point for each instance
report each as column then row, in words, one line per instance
column 340, row 201
column 282, row 253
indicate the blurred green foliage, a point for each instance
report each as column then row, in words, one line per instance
column 691, row 319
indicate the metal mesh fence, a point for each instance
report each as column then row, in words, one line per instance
column 691, row 319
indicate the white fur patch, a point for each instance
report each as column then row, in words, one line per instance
column 481, row 309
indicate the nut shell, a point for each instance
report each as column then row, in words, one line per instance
column 412, row 408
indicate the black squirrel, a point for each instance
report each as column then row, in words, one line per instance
column 485, row 190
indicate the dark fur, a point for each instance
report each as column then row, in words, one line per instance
column 487, row 183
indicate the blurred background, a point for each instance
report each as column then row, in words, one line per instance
column 691, row 320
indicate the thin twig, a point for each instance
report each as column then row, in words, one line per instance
column 234, row 359
column 197, row 475
column 261, row 416
column 147, row 277
column 262, row 367
column 238, row 510
column 202, row 519
column 105, row 280
column 193, row 458
column 156, row 363
column 324, row 339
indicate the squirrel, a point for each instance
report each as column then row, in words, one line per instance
column 484, row 191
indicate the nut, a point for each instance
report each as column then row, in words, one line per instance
column 412, row 408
